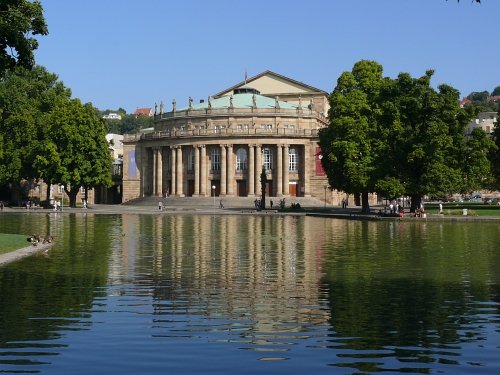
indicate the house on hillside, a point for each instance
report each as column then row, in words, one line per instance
column 143, row 112
column 484, row 120
column 112, row 116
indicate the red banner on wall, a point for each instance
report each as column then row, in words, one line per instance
column 319, row 168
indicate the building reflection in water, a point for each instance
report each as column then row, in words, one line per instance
column 264, row 268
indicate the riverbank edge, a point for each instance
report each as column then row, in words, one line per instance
column 23, row 252
column 332, row 212
column 430, row 217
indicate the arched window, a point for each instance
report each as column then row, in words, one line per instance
column 293, row 160
column 241, row 159
column 215, row 160
column 267, row 158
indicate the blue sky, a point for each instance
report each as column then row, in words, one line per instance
column 133, row 53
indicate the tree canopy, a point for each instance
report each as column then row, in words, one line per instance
column 83, row 159
column 400, row 137
column 128, row 124
column 48, row 135
column 25, row 95
column 20, row 20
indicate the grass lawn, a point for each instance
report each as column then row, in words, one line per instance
column 456, row 209
column 10, row 242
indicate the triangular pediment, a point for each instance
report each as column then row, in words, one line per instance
column 273, row 84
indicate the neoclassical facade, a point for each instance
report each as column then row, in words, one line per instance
column 220, row 145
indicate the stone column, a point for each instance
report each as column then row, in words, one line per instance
column 144, row 171
column 204, row 169
column 223, row 171
column 196, row 170
column 279, row 170
column 258, row 169
column 159, row 172
column 286, row 160
column 154, row 186
column 230, row 171
column 164, row 170
column 179, row 173
column 251, row 170
column 173, row 167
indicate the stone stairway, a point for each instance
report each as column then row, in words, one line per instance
column 228, row 202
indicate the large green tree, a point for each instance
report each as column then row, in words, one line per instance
column 25, row 96
column 349, row 143
column 48, row 135
column 79, row 150
column 400, row 136
column 430, row 151
column 20, row 20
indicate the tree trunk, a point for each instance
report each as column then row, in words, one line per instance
column 48, row 193
column 263, row 181
column 365, row 206
column 72, row 193
column 16, row 194
column 416, row 201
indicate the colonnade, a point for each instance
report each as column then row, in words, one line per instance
column 168, row 173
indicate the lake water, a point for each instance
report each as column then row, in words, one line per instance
column 151, row 294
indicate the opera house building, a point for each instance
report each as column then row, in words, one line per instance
column 220, row 145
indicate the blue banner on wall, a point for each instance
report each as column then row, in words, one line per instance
column 132, row 166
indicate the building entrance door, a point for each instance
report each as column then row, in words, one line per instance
column 215, row 183
column 292, row 189
column 269, row 188
column 190, row 188
column 241, row 188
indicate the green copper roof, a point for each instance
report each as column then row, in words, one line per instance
column 242, row 101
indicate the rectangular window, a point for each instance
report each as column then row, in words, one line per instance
column 215, row 160
column 292, row 160
column 241, row 160
column 267, row 159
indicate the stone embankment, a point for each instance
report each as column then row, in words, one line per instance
column 24, row 252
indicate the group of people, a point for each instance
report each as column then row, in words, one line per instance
column 345, row 203
column 419, row 212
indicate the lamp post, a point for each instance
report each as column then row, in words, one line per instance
column 213, row 193
column 326, row 186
